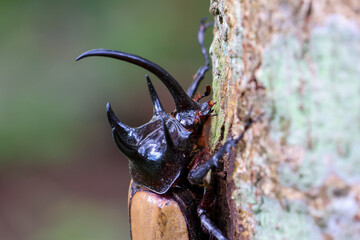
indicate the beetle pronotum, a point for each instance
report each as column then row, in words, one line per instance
column 167, row 197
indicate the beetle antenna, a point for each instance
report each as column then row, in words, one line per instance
column 182, row 101
column 158, row 108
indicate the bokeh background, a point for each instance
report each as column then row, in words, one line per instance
column 61, row 176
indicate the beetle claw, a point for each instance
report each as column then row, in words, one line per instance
column 158, row 108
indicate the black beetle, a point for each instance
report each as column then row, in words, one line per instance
column 167, row 197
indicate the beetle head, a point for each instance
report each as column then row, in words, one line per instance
column 160, row 149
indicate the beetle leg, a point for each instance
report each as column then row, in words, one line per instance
column 207, row 203
column 203, row 69
column 209, row 225
column 196, row 175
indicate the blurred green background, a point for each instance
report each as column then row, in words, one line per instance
column 61, row 176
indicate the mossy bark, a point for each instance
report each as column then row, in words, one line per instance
column 296, row 175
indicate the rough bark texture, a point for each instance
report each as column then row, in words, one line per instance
column 296, row 175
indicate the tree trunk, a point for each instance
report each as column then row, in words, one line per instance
column 296, row 174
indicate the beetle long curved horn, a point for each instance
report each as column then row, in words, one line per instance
column 124, row 135
column 182, row 101
column 158, row 108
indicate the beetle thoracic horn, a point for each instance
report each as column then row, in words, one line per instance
column 158, row 108
column 182, row 101
column 124, row 136
column 168, row 139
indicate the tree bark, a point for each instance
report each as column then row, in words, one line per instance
column 296, row 174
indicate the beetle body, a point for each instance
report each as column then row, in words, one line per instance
column 168, row 159
column 167, row 216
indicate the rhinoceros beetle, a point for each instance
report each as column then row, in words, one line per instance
column 167, row 196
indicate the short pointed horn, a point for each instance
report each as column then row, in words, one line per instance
column 168, row 138
column 124, row 136
column 114, row 121
column 182, row 101
column 158, row 108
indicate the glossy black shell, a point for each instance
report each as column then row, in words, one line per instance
column 158, row 151
column 157, row 164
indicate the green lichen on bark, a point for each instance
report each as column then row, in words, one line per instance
column 295, row 174
column 228, row 83
column 225, row 77
column 219, row 67
column 294, row 223
column 314, row 87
